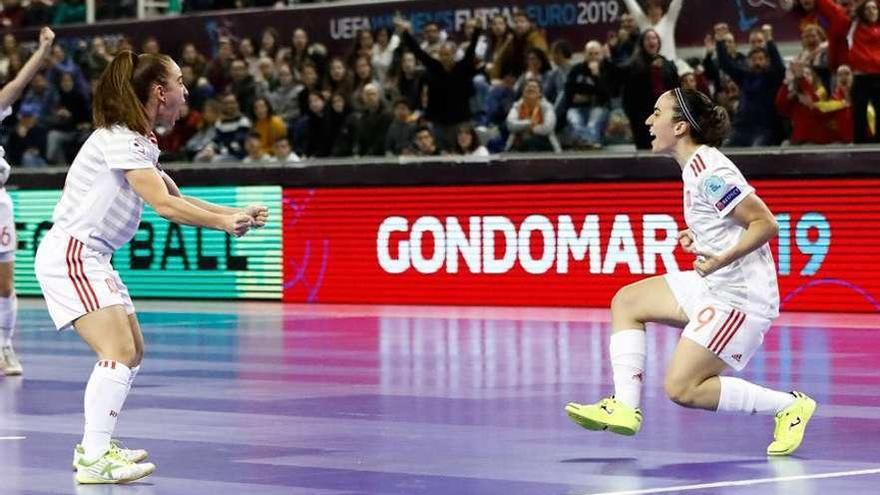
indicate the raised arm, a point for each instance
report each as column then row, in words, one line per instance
column 12, row 91
column 412, row 45
column 638, row 14
column 674, row 11
column 728, row 65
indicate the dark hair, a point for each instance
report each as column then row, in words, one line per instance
column 541, row 56
column 712, row 119
column 402, row 101
column 562, row 47
column 422, row 128
column 861, row 9
column 255, row 135
column 269, row 110
column 124, row 89
column 520, row 13
column 475, row 140
column 282, row 138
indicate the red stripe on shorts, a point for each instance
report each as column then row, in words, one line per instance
column 735, row 327
column 88, row 285
column 74, row 277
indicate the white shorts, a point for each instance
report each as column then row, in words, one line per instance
column 75, row 279
column 8, row 240
column 727, row 332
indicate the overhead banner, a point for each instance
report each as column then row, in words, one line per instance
column 560, row 245
column 168, row 260
column 335, row 26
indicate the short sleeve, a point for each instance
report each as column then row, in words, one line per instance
column 5, row 112
column 130, row 151
column 725, row 188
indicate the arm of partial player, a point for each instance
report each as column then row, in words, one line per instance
column 760, row 226
column 259, row 213
column 148, row 184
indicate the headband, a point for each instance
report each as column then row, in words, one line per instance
column 686, row 111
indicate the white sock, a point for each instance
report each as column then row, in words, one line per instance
column 628, row 349
column 105, row 394
column 738, row 395
column 8, row 315
column 134, row 372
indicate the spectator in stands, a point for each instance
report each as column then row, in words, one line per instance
column 623, row 42
column 69, row 125
column 537, row 67
column 301, row 52
column 372, row 123
column 173, row 143
column 467, row 142
column 382, row 56
column 814, row 52
column 587, row 98
column 217, row 70
column 191, row 57
column 401, row 130
column 797, row 100
column 255, row 152
column 199, row 89
column 150, row 46
column 728, row 95
column 498, row 34
column 61, row 63
column 363, row 75
column 232, row 130
column 863, row 38
column 266, row 79
column 408, row 81
column 285, row 97
column 554, row 84
column 836, row 28
column 200, row 146
column 838, row 107
column 340, row 80
column 97, row 59
column 532, row 122
column 12, row 15
column 645, row 77
column 756, row 122
column 757, row 39
column 710, row 62
column 41, row 96
column 510, row 58
column 27, row 141
column 243, row 85
column 283, row 153
column 248, row 53
column 362, row 47
column 311, row 82
column 425, row 144
column 343, row 126
column 449, row 83
column 313, row 134
column 267, row 124
column 662, row 23
column 270, row 43
column 433, row 38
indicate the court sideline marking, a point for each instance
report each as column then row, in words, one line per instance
column 12, row 438
column 756, row 481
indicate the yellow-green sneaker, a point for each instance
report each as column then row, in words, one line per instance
column 132, row 455
column 791, row 423
column 607, row 414
column 111, row 468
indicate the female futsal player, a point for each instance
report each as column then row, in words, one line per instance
column 114, row 173
column 9, row 363
column 725, row 304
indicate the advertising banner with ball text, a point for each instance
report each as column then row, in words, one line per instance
column 560, row 245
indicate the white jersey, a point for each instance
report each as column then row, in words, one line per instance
column 4, row 165
column 713, row 186
column 98, row 206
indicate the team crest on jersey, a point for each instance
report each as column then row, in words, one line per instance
column 714, row 187
column 728, row 198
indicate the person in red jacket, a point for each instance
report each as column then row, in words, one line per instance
column 797, row 100
column 863, row 38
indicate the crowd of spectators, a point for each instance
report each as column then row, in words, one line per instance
column 493, row 88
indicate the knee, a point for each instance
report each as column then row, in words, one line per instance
column 125, row 353
column 679, row 391
column 624, row 300
column 6, row 289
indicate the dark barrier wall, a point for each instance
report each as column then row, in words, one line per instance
column 335, row 25
column 517, row 231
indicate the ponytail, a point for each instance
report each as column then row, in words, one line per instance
column 124, row 89
column 709, row 123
